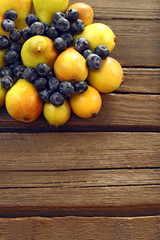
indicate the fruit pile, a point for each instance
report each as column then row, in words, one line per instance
column 54, row 61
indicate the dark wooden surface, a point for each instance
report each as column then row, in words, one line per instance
column 97, row 178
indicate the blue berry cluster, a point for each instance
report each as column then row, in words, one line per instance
column 61, row 32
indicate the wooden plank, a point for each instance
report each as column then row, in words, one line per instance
column 120, row 112
column 138, row 42
column 80, row 178
column 141, row 80
column 83, row 228
column 133, row 9
column 66, row 151
column 84, row 201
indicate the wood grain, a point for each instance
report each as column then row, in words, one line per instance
column 138, row 41
column 85, row 201
column 141, row 80
column 80, row 178
column 80, row 228
column 133, row 9
column 120, row 112
column 67, row 151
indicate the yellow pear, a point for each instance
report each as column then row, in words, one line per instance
column 97, row 34
column 38, row 49
column 2, row 94
column 23, row 8
column 45, row 9
column 2, row 62
column 57, row 116
column 108, row 78
column 22, row 102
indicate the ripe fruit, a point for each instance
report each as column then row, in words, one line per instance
column 108, row 78
column 77, row 26
column 46, row 11
column 70, row 65
column 66, row 88
column 57, row 116
column 6, row 82
column 8, row 25
column 57, row 99
column 72, row 14
column 31, row 18
column 94, row 61
column 15, row 35
column 37, row 28
column 22, row 7
column 2, row 94
column 87, row 104
column 4, row 42
column 10, row 14
column 97, row 34
column 102, row 51
column 23, row 102
column 11, row 56
column 86, row 13
column 38, row 49
column 81, row 44
column 30, row 74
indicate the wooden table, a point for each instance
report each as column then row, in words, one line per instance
column 94, row 179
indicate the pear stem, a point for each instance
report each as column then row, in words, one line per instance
column 39, row 48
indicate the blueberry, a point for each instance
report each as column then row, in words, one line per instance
column 80, row 87
column 86, row 53
column 16, row 47
column 81, row 44
column 94, row 61
column 58, row 15
column 66, row 88
column 4, row 42
column 8, row 25
column 72, row 14
column 68, row 38
column 6, row 71
column 63, row 24
column 45, row 95
column 18, row 70
column 26, row 33
column 40, row 84
column 10, row 14
column 15, row 35
column 53, row 84
column 102, row 51
column 50, row 74
column 60, row 44
column 30, row 74
column 57, row 99
column 77, row 26
column 52, row 33
column 46, row 27
column 6, row 82
column 43, row 69
column 31, row 18
column 11, row 56
column 37, row 28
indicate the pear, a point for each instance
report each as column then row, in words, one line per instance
column 108, row 78
column 98, row 33
column 22, row 102
column 2, row 94
column 2, row 62
column 23, row 8
column 57, row 116
column 45, row 9
column 38, row 49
